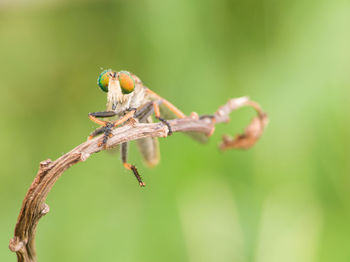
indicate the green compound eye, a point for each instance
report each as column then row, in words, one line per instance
column 103, row 80
column 127, row 83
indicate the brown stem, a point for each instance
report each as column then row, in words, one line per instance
column 34, row 206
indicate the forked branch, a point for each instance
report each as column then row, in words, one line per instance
column 34, row 206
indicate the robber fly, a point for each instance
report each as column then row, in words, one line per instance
column 128, row 99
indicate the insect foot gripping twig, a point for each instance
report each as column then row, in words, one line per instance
column 34, row 206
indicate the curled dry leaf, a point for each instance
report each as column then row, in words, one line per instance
column 252, row 132
column 250, row 136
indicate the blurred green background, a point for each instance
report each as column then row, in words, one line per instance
column 286, row 199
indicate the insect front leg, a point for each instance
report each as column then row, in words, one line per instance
column 103, row 114
column 95, row 115
column 124, row 154
column 107, row 126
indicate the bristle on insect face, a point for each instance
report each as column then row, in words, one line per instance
column 103, row 80
column 127, row 83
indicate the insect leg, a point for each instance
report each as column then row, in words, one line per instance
column 107, row 130
column 157, row 113
column 107, row 126
column 169, row 105
column 144, row 111
column 124, row 118
column 103, row 114
column 93, row 117
column 97, row 121
column 98, row 131
column 124, row 153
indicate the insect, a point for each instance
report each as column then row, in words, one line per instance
column 128, row 99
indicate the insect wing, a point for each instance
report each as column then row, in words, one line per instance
column 149, row 147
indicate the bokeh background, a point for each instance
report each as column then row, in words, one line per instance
column 286, row 199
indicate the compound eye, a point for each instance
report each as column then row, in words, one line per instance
column 103, row 80
column 127, row 83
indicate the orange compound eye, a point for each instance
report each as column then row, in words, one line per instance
column 127, row 83
column 103, row 80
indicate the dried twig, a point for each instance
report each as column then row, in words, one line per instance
column 34, row 206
